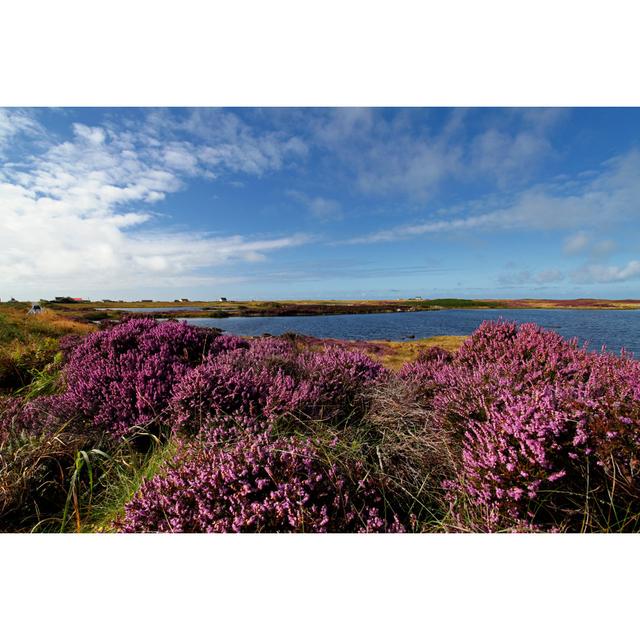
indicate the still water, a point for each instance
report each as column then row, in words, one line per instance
column 615, row 329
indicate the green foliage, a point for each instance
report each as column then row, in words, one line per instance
column 9, row 331
column 118, row 478
column 93, row 316
column 455, row 303
column 21, row 364
column 44, row 382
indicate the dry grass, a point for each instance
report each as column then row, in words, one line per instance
column 401, row 352
column 17, row 325
column 34, row 477
column 414, row 455
column 28, row 343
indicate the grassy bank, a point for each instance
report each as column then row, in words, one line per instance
column 28, row 343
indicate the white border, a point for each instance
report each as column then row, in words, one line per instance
column 334, row 52
column 286, row 52
column 319, row 586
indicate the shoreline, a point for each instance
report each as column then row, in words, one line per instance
column 114, row 310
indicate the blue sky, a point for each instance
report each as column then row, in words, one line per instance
column 319, row 203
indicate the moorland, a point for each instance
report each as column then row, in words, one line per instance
column 133, row 425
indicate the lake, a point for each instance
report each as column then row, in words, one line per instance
column 615, row 329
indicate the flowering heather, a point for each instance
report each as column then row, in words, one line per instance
column 220, row 391
column 268, row 350
column 545, row 427
column 255, row 485
column 519, row 430
column 339, row 377
column 37, row 416
column 434, row 354
column 124, row 375
column 270, row 380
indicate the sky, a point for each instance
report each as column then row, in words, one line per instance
column 347, row 203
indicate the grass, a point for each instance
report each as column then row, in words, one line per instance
column 121, row 474
column 68, row 482
column 16, row 324
column 454, row 303
column 401, row 352
column 29, row 343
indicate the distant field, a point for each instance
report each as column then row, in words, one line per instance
column 216, row 309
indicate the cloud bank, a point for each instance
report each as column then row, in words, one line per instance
column 82, row 210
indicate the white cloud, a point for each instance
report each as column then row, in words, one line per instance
column 74, row 218
column 603, row 247
column 528, row 277
column 336, row 127
column 387, row 157
column 323, row 209
column 598, row 273
column 223, row 142
column 14, row 122
column 581, row 242
column 576, row 243
column 612, row 195
column 504, row 155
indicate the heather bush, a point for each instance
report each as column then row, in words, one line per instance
column 526, row 353
column 273, row 351
column 221, row 391
column 271, row 380
column 339, row 378
column 38, row 415
column 519, row 430
column 123, row 376
column 548, row 432
column 256, row 484
column 434, row 354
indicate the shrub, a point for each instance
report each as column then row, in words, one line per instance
column 255, row 485
column 271, row 380
column 228, row 391
column 124, row 375
column 434, row 354
column 549, row 433
column 38, row 415
column 339, row 378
